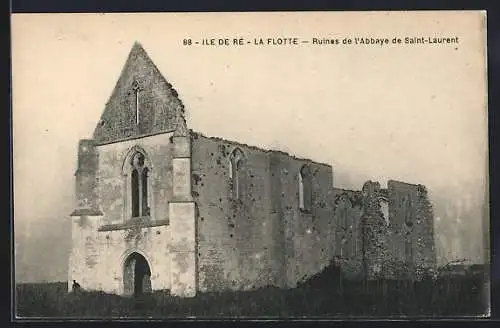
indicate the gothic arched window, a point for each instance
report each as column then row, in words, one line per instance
column 235, row 172
column 139, row 186
column 305, row 189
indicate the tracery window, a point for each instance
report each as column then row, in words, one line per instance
column 139, row 186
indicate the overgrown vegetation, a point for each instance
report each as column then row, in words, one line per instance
column 324, row 295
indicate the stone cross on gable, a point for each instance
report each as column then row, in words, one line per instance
column 137, row 89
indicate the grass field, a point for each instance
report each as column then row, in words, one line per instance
column 322, row 296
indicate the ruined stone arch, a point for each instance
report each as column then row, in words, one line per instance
column 129, row 251
column 136, row 272
column 305, row 188
column 342, row 206
column 236, row 172
column 137, row 183
column 128, row 157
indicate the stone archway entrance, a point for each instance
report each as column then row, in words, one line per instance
column 136, row 275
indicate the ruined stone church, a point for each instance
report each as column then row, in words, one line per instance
column 162, row 207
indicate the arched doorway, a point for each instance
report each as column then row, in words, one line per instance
column 136, row 275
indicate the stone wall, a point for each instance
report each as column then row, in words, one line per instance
column 374, row 231
column 101, row 242
column 234, row 236
column 384, row 232
column 86, row 179
column 306, row 237
column 348, row 209
column 412, row 225
column 261, row 238
column 183, row 220
column 114, row 177
column 97, row 257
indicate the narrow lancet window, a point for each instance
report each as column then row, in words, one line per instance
column 235, row 167
column 144, row 178
column 301, row 192
column 305, row 189
column 137, row 89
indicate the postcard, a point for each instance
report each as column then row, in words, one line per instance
column 279, row 165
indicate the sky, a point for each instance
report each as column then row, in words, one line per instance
column 415, row 113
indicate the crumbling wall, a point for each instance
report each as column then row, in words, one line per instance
column 412, row 226
column 384, row 232
column 426, row 247
column 307, row 238
column 374, row 229
column 235, row 236
column 348, row 232
column 262, row 238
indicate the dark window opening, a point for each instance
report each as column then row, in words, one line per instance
column 136, row 275
column 145, row 207
column 140, row 185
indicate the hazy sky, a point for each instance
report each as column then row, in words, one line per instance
column 415, row 113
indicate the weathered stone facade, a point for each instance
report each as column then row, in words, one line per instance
column 262, row 236
column 164, row 208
